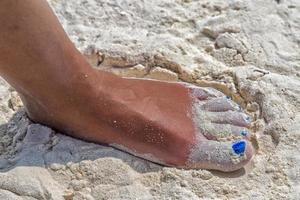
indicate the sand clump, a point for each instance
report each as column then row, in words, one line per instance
column 247, row 49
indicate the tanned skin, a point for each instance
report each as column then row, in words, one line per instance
column 61, row 90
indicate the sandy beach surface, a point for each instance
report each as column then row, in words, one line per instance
column 248, row 49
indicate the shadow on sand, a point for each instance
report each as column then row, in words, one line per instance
column 24, row 143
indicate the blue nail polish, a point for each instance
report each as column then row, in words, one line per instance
column 244, row 133
column 239, row 147
column 240, row 108
column 228, row 97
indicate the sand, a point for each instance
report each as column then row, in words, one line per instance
column 247, row 49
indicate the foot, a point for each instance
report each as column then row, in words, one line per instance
column 173, row 124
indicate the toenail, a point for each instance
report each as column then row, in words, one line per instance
column 239, row 147
column 247, row 118
column 239, row 108
column 244, row 133
column 228, row 97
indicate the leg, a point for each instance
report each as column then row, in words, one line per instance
column 176, row 124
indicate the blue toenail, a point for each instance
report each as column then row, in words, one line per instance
column 244, row 133
column 239, row 147
column 247, row 118
column 228, row 97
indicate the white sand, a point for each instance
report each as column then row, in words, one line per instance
column 247, row 49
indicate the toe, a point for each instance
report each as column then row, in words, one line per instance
column 204, row 93
column 224, row 132
column 220, row 104
column 223, row 156
column 229, row 117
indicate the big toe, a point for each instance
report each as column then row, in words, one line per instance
column 223, row 156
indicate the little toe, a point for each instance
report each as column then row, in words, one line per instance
column 223, row 156
column 220, row 104
column 224, row 132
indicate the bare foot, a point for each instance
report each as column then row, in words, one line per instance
column 169, row 123
column 172, row 124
